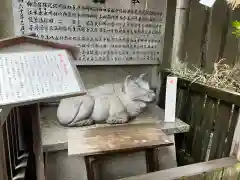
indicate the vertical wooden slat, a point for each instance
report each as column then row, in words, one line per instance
column 207, row 125
column 194, row 121
column 186, row 106
column 198, row 123
column 231, row 51
column 215, row 32
column 231, row 130
column 225, row 30
column 6, row 153
column 3, row 166
column 220, row 130
column 37, row 141
column 205, row 37
column 45, row 155
column 14, row 136
column 9, row 143
column 169, row 28
column 162, row 94
column 235, row 147
column 194, row 33
column 181, row 140
column 189, row 113
column 21, row 128
column 4, row 163
column 11, row 139
column 15, row 132
column 179, row 102
column 179, row 36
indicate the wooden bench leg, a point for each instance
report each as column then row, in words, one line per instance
column 90, row 167
column 151, row 160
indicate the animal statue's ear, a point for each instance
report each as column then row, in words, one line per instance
column 142, row 76
column 128, row 79
column 142, row 82
column 126, row 82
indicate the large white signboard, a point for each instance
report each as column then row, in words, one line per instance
column 107, row 32
column 33, row 76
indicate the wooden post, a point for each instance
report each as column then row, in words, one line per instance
column 3, row 169
column 181, row 18
column 37, row 141
column 235, row 149
column 3, row 172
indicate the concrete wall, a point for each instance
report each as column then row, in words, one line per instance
column 6, row 19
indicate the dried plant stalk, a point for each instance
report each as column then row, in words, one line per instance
column 223, row 76
column 233, row 3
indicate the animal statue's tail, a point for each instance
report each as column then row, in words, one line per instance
column 75, row 111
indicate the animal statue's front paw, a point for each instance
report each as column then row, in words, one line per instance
column 85, row 122
column 119, row 118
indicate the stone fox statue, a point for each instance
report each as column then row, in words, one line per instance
column 110, row 103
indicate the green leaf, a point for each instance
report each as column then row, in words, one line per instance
column 236, row 25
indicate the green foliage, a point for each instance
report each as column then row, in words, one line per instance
column 236, row 25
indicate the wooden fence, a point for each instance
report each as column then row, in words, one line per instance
column 220, row 169
column 19, row 162
column 208, row 34
column 209, row 112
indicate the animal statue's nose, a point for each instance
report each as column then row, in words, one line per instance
column 143, row 105
column 153, row 96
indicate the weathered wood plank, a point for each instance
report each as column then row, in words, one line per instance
column 32, row 136
column 231, row 173
column 205, row 37
column 214, row 175
column 169, row 30
column 179, row 102
column 185, row 113
column 3, row 167
column 11, row 138
column 185, row 171
column 191, row 121
column 231, row 130
column 194, row 177
column 231, row 49
column 235, row 149
column 220, row 130
column 180, row 26
column 197, row 135
column 116, row 139
column 6, row 152
column 37, row 141
column 194, row 33
column 214, row 36
column 207, row 126
column 162, row 94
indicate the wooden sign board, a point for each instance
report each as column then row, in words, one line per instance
column 110, row 33
column 32, row 76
